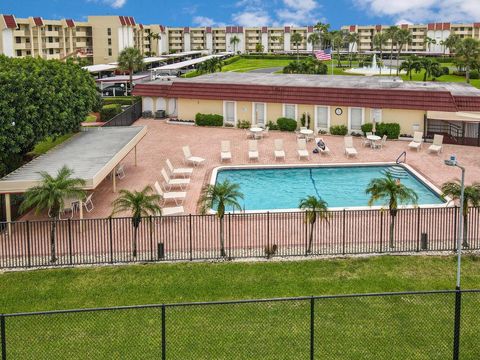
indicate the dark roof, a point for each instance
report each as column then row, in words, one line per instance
column 132, row 20
column 38, row 21
column 314, row 89
column 70, row 23
column 10, row 21
column 122, row 20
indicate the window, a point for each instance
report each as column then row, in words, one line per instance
column 50, row 51
column 109, row 41
column 259, row 114
column 290, row 111
column 19, row 52
column 27, row 40
column 229, row 112
column 376, row 115
column 29, row 52
column 355, row 119
column 18, row 40
column 49, row 28
column 109, row 52
column 109, row 32
column 322, row 117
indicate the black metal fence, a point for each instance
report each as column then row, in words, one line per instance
column 407, row 325
column 246, row 235
column 127, row 117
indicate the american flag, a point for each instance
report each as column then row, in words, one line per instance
column 323, row 55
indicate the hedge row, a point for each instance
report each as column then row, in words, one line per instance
column 392, row 130
column 121, row 100
column 109, row 111
column 208, row 120
column 338, row 130
column 286, row 124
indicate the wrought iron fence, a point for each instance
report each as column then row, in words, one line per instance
column 406, row 325
column 246, row 235
column 126, row 117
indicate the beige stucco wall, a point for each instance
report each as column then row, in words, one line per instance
column 244, row 111
column 338, row 119
column 188, row 108
column 406, row 118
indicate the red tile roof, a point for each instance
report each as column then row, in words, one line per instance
column 141, row 26
column 446, row 26
column 70, row 23
column 10, row 21
column 122, row 20
column 132, row 20
column 404, row 26
column 38, row 21
column 378, row 27
column 373, row 98
column 431, row 26
column 476, row 25
column 352, row 28
column 127, row 20
column 228, row 29
column 310, row 29
column 208, row 29
column 239, row 29
column 264, row 29
column 287, row 29
column 186, row 29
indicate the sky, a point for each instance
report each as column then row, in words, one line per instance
column 254, row 12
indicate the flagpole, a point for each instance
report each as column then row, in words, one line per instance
column 331, row 57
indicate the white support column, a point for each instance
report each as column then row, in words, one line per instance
column 309, row 44
column 80, row 204
column 286, row 41
column 209, row 42
column 265, row 42
column 8, row 212
column 114, row 179
column 186, row 41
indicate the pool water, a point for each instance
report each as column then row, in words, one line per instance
column 339, row 186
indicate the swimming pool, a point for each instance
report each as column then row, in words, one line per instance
column 341, row 186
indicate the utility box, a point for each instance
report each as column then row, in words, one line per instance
column 424, row 241
column 160, row 251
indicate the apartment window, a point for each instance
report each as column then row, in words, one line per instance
column 322, row 117
column 109, row 32
column 27, row 40
column 109, row 52
column 19, row 52
column 376, row 115
column 290, row 111
column 229, row 108
column 355, row 118
column 18, row 40
column 29, row 52
column 109, row 41
column 49, row 28
column 50, row 51
column 50, row 39
column 259, row 113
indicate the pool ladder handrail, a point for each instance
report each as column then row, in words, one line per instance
column 399, row 161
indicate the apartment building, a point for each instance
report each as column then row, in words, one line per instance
column 420, row 32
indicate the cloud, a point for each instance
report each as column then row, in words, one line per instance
column 423, row 10
column 206, row 21
column 116, row 4
column 252, row 18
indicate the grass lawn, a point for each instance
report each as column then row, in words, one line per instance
column 90, row 118
column 43, row 146
column 444, row 78
column 399, row 328
column 244, row 65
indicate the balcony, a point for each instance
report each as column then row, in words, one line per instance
column 81, row 44
column 21, row 46
column 52, row 33
column 21, row 33
column 52, row 56
column 82, row 34
column 52, row 45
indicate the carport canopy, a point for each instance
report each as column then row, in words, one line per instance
column 92, row 154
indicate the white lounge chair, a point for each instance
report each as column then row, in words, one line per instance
column 178, row 171
column 322, row 151
column 178, row 197
column 279, row 152
column 120, row 172
column 349, row 148
column 169, row 183
column 252, row 150
column 437, row 144
column 302, row 149
column 417, row 140
column 171, row 211
column 225, row 153
column 195, row 160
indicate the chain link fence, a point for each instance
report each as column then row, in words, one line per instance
column 413, row 325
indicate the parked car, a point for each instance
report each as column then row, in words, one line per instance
column 115, row 90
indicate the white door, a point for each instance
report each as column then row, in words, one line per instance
column 172, row 107
column 259, row 114
column 229, row 116
column 322, row 118
column 356, row 119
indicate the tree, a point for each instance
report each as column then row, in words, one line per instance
column 391, row 34
column 306, row 66
column 234, row 40
column 393, row 192
column 451, row 42
column 211, row 65
column 322, row 30
column 471, row 197
column 428, row 41
column 40, row 98
column 313, row 39
column 131, row 60
column 314, row 208
column 139, row 204
column 296, row 40
column 431, row 67
column 50, row 195
column 352, row 39
column 221, row 196
column 410, row 65
column 468, row 53
column 337, row 40
column 379, row 41
column 404, row 37
column 259, row 48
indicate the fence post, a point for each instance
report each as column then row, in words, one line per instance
column 190, row 236
column 344, row 227
column 164, row 338
column 152, row 257
column 268, row 232
column 3, row 338
column 381, row 231
column 418, row 229
column 229, row 236
column 455, row 231
column 111, row 238
column 29, row 254
column 456, row 330
column 70, row 256
column 312, row 328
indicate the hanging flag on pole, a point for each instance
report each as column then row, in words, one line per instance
column 323, row 55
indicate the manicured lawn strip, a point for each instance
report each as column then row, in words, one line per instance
column 413, row 327
column 244, row 65
column 90, row 118
column 444, row 78
column 49, row 143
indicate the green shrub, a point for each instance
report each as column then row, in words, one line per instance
column 392, row 130
column 338, row 130
column 286, row 124
column 274, row 57
column 445, row 70
column 109, row 111
column 272, row 126
column 474, row 75
column 147, row 114
column 244, row 124
column 121, row 100
column 231, row 60
column 208, row 120
column 367, row 128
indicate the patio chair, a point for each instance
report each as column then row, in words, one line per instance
column 437, row 144
column 383, row 142
column 417, row 141
column 225, row 153
column 170, row 183
column 279, row 152
column 178, row 171
column 366, row 141
column 120, row 172
column 195, row 160
column 170, row 211
column 252, row 150
column 325, row 150
column 349, row 148
column 265, row 132
column 178, row 197
column 302, row 149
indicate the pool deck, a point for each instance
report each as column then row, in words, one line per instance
column 164, row 141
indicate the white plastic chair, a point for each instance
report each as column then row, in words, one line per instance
column 302, row 149
column 178, row 171
column 279, row 152
column 322, row 151
column 437, row 144
column 252, row 150
column 178, row 197
column 225, row 153
column 195, row 160
column 182, row 183
column 417, row 141
column 120, row 172
column 349, row 148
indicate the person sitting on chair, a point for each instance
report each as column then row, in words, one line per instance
column 321, row 145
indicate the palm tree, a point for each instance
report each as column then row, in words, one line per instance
column 139, row 204
column 404, row 37
column 131, row 60
column 220, row 196
column 234, row 40
column 468, row 53
column 452, row 42
column 428, row 41
column 391, row 34
column 337, row 40
column 471, row 197
column 296, row 40
column 50, row 195
column 322, row 30
column 393, row 193
column 352, row 39
column 431, row 67
column 379, row 41
column 410, row 65
column 259, row 48
column 314, row 208
column 313, row 39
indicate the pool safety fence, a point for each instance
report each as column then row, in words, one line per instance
column 403, row 325
column 240, row 235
